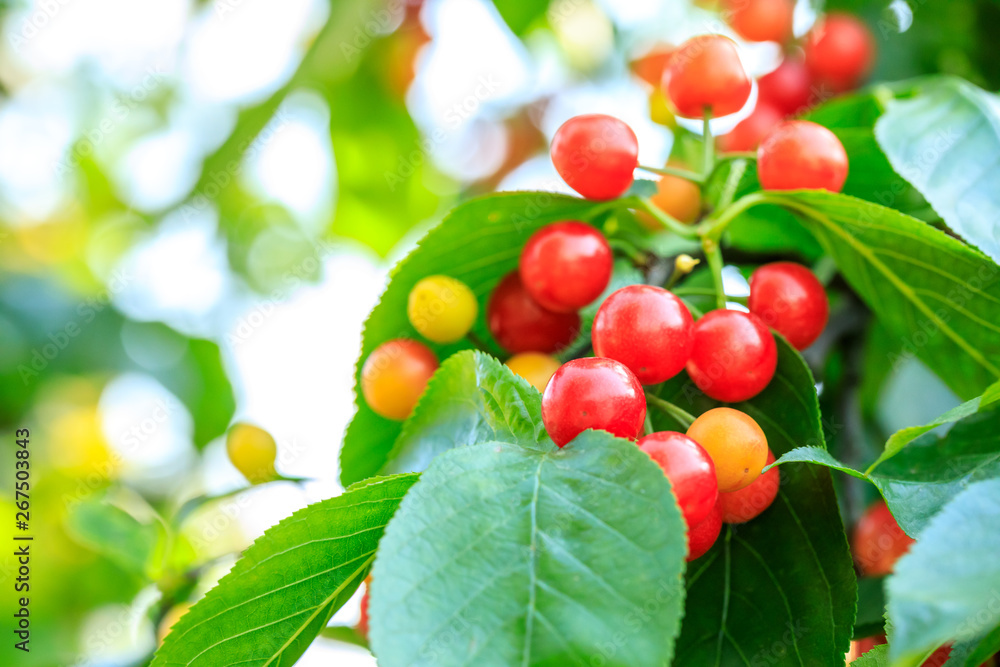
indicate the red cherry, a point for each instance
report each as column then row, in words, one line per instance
column 761, row 20
column 747, row 135
column 788, row 88
column 878, row 541
column 791, row 300
column 521, row 325
column 362, row 626
column 734, row 355
column 840, row 51
column 649, row 67
column 593, row 392
column 706, row 73
column 703, row 536
column 690, row 471
column 596, row 155
column 750, row 502
column 566, row 265
column 646, row 328
column 801, row 155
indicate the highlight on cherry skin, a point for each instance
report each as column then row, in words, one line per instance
column 596, row 155
column 790, row 299
column 394, row 376
column 646, row 328
column 566, row 265
column 593, row 392
column 442, row 309
column 735, row 442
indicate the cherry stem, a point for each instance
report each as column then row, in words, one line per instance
column 648, row 427
column 476, row 341
column 668, row 221
column 638, row 257
column 709, row 167
column 713, row 227
column 695, row 310
column 683, row 417
column 703, row 291
column 667, row 170
column 713, row 253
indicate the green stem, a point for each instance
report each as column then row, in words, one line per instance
column 732, row 182
column 648, row 427
column 684, row 417
column 695, row 310
column 739, row 155
column 713, row 253
column 625, row 248
column 713, row 227
column 667, row 170
column 668, row 221
column 709, row 167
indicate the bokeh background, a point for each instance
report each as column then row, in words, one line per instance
column 200, row 202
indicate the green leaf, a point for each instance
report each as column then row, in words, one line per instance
column 345, row 634
column 110, row 530
column 472, row 398
column 520, row 15
column 782, row 587
column 947, row 587
column 489, row 232
column 878, row 656
column 945, row 140
column 931, row 291
column 871, row 608
column 504, row 555
column 288, row 584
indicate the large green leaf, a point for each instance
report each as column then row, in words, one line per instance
column 780, row 589
column 945, row 140
column 478, row 243
column 946, row 587
column 288, row 584
column 937, row 295
column 878, row 656
column 504, row 555
column 472, row 398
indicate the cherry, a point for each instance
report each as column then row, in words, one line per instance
column 362, row 626
column 706, row 73
column 761, row 20
column 791, row 300
column 733, row 357
column 799, row 155
column 690, row 471
column 746, row 136
column 646, row 328
column 519, row 324
column 703, row 535
column 535, row 367
column 878, row 541
column 593, row 393
column 441, row 308
column 675, row 196
column 596, row 155
column 394, row 377
column 788, row 88
column 840, row 51
column 649, row 67
column 252, row 451
column 566, row 265
column 751, row 501
column 735, row 442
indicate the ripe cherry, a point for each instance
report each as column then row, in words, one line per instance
column 746, row 136
column 735, row 442
column 363, row 622
column 733, row 357
column 761, row 20
column 593, row 392
column 649, row 67
column 788, row 88
column 703, row 535
column 677, row 197
column 394, row 376
column 441, row 308
column 840, row 51
column 566, row 265
column 252, row 451
column 799, row 154
column 519, row 324
column 791, row 300
column 878, row 541
column 646, row 328
column 596, row 155
column 706, row 73
column 535, row 367
column 690, row 471
column 751, row 501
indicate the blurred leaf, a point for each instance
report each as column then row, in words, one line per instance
column 946, row 317
column 113, row 532
column 345, row 634
column 520, row 15
column 870, row 620
column 557, row 557
column 288, row 584
column 490, row 231
column 945, row 140
column 941, row 588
